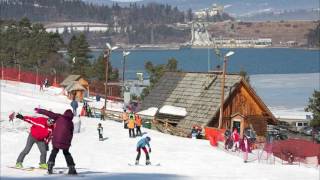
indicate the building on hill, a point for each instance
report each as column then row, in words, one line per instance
column 198, row 94
column 75, row 86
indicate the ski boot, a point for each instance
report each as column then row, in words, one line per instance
column 50, row 167
column 72, row 170
column 137, row 162
column 148, row 162
column 43, row 166
column 19, row 165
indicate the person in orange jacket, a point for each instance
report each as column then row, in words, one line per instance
column 125, row 119
column 138, row 122
column 131, row 123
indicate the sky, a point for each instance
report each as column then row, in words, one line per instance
column 179, row 158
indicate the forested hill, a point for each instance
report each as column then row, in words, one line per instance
column 77, row 10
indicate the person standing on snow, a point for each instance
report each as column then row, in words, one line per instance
column 74, row 105
column 142, row 143
column 235, row 138
column 138, row 122
column 131, row 124
column 40, row 133
column 11, row 117
column 100, row 132
column 102, row 111
column 245, row 147
column 62, row 137
column 125, row 119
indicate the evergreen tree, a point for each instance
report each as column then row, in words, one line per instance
column 314, row 108
column 99, row 70
column 78, row 53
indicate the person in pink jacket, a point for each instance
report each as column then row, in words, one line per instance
column 235, row 138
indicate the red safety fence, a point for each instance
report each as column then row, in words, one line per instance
column 296, row 148
column 14, row 74
column 214, row 135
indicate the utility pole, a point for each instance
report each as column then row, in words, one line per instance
column 230, row 53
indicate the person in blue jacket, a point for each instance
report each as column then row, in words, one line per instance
column 142, row 143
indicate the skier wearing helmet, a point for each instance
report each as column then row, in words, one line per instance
column 142, row 143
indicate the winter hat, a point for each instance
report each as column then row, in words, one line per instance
column 50, row 121
column 148, row 138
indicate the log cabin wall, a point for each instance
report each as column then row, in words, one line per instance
column 244, row 103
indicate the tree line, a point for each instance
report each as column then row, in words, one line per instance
column 29, row 46
column 77, row 10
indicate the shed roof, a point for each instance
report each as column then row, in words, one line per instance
column 75, row 86
column 199, row 93
column 70, row 79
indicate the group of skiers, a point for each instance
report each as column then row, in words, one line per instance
column 59, row 128
column 132, row 121
column 233, row 142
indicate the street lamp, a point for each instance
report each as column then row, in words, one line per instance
column 106, row 56
column 125, row 54
column 230, row 53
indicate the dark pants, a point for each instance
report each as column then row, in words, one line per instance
column 138, row 130
column 145, row 152
column 100, row 136
column 102, row 117
column 42, row 148
column 131, row 132
column 66, row 154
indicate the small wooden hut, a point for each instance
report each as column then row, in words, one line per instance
column 75, row 86
column 200, row 95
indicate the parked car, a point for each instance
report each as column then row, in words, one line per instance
column 307, row 131
column 276, row 135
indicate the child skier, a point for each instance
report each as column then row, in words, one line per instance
column 40, row 133
column 131, row 124
column 235, row 138
column 138, row 122
column 245, row 147
column 62, row 137
column 142, row 143
column 100, row 132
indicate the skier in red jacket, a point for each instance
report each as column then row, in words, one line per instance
column 40, row 133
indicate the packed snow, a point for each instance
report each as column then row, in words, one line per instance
column 173, row 110
column 179, row 158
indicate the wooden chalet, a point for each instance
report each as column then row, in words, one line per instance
column 75, row 86
column 200, row 95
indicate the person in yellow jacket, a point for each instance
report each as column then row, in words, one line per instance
column 138, row 121
column 131, row 123
column 125, row 119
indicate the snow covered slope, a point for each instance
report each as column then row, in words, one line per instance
column 179, row 158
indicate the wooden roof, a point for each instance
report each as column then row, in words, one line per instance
column 199, row 93
column 69, row 80
column 75, row 86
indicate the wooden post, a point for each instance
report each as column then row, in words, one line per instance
column 222, row 92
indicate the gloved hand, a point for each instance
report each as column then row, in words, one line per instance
column 149, row 150
column 36, row 110
column 19, row 116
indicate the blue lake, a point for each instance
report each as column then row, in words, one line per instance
column 253, row 61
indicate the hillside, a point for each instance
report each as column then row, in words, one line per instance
column 179, row 158
column 280, row 32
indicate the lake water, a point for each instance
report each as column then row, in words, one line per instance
column 283, row 78
column 253, row 61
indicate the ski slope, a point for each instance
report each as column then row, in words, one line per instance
column 179, row 158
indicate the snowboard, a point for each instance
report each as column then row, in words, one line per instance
column 133, row 164
column 27, row 168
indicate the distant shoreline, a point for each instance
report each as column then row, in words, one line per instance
column 152, row 48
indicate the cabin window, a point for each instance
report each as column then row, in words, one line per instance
column 305, row 124
column 299, row 124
